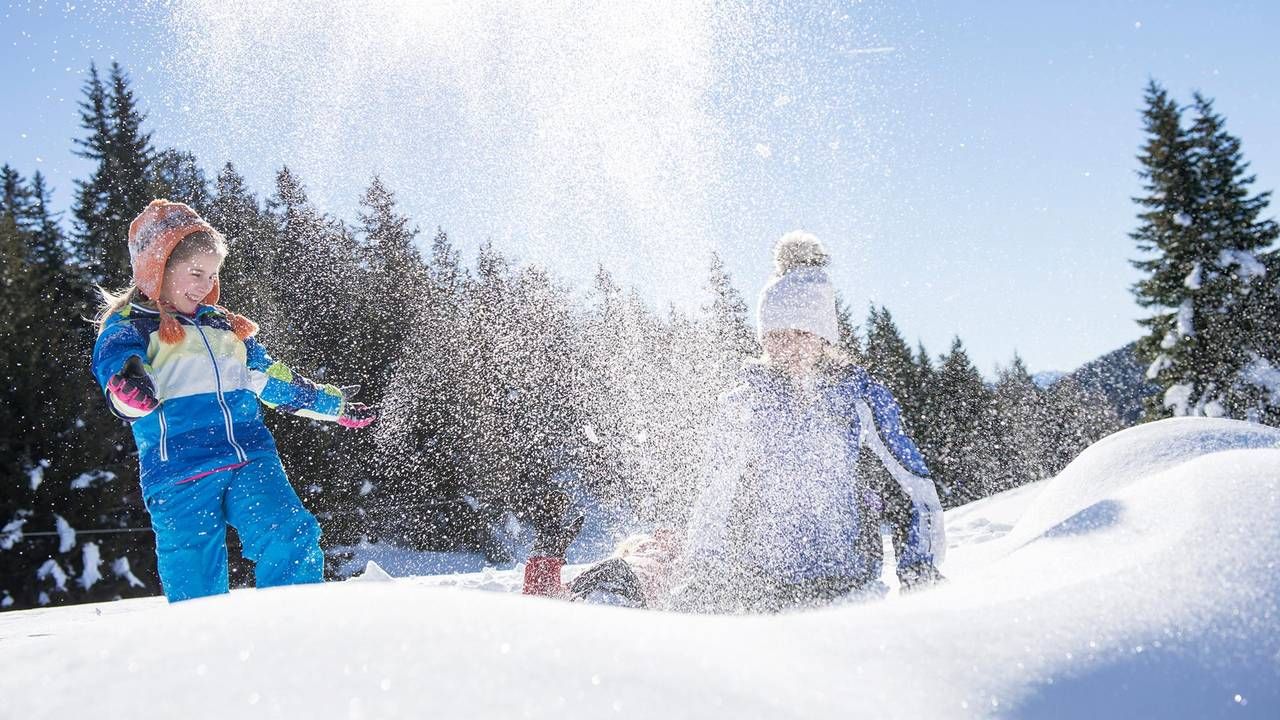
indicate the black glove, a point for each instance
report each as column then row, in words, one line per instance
column 354, row 415
column 555, row 522
column 133, row 388
column 919, row 576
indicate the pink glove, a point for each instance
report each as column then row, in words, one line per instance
column 133, row 388
column 355, row 415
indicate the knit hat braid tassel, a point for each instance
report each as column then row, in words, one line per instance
column 243, row 327
column 171, row 331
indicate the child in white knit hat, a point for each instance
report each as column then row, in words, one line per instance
column 783, row 520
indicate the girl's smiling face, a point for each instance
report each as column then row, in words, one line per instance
column 188, row 281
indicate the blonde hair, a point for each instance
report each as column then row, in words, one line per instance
column 202, row 241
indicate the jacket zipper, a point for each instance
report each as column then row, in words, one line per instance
column 164, row 437
column 222, row 402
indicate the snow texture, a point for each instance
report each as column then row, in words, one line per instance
column 92, row 562
column 1182, row 220
column 51, row 569
column 1186, row 319
column 1140, row 582
column 372, row 573
column 86, row 480
column 122, row 570
column 66, row 534
column 1158, row 365
column 1261, row 373
column 1247, row 264
column 1192, row 281
column 1178, row 398
column 11, row 533
column 35, row 474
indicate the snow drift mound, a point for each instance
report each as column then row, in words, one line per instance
column 1140, row 582
column 1133, row 455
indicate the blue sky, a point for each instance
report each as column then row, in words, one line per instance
column 970, row 165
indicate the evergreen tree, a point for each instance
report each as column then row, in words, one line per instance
column 1239, row 337
column 1020, row 423
column 62, row 457
column 15, row 201
column 1204, row 279
column 397, row 280
column 1075, row 418
column 925, row 432
column 889, row 360
column 120, row 186
column 48, row 246
column 849, row 344
column 963, row 454
column 421, row 432
column 731, row 336
column 176, row 176
column 248, row 286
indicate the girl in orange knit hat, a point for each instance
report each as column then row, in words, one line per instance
column 190, row 377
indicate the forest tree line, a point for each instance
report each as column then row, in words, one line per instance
column 494, row 379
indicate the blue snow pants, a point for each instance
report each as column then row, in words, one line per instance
column 190, row 519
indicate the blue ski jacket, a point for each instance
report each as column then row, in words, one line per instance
column 210, row 387
column 782, row 496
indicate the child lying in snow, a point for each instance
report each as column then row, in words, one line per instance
column 638, row 574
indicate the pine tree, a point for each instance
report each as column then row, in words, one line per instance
column 48, row 246
column 421, row 432
column 1204, row 277
column 120, row 186
column 849, row 344
column 1238, row 338
column 15, row 201
column 248, row 286
column 730, row 336
column 889, row 360
column 62, row 455
column 177, row 176
column 963, row 455
column 1020, row 423
column 1075, row 418
column 397, row 280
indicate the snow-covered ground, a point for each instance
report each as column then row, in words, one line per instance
column 1140, row 582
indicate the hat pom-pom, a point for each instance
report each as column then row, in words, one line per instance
column 799, row 249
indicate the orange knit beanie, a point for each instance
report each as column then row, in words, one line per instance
column 152, row 237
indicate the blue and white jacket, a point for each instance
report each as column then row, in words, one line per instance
column 210, row 386
column 792, row 455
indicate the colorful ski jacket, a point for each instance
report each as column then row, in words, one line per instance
column 209, row 386
column 782, row 496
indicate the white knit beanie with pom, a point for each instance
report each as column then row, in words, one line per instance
column 799, row 296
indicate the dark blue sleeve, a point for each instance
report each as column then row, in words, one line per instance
column 888, row 418
column 118, row 341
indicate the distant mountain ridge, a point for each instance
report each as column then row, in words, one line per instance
column 1118, row 375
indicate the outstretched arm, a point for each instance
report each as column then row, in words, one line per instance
column 280, row 388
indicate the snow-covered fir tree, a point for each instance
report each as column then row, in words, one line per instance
column 1209, row 338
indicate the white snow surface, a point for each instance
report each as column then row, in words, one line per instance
column 1142, row 581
